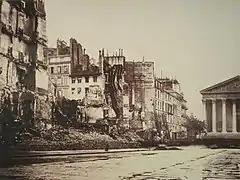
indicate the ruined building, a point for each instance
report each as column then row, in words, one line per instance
column 99, row 87
column 23, row 71
column 116, row 90
column 155, row 100
column 140, row 78
column 87, row 84
column 76, row 78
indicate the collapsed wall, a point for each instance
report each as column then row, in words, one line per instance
column 113, row 88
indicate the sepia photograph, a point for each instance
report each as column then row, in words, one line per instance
column 119, row 89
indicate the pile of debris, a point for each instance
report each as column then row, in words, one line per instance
column 58, row 138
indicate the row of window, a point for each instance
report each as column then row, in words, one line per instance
column 163, row 95
column 60, row 81
column 59, row 70
column 166, row 107
column 143, row 65
column 158, row 84
column 79, row 90
column 79, row 80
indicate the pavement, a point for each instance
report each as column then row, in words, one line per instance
column 75, row 152
column 191, row 163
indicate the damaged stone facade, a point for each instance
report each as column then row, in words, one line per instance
column 113, row 68
column 22, row 65
column 140, row 78
column 154, row 100
column 87, row 84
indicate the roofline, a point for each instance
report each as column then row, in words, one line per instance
column 75, row 75
column 220, row 83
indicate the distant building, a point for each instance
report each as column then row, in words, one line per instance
column 59, row 68
column 221, row 107
column 170, row 102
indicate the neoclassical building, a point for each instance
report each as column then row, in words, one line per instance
column 221, row 106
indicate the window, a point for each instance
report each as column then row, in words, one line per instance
column 86, row 79
column 53, row 80
column 79, row 80
column 60, row 92
column 73, row 89
column 59, row 80
column 86, row 90
column 59, row 69
column 62, row 82
column 66, row 69
column 105, row 113
column 65, row 82
column 52, row 70
column 55, row 70
column 94, row 78
column 78, row 90
column 73, row 80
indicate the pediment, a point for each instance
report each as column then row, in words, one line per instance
column 231, row 85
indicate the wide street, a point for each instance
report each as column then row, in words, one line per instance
column 194, row 163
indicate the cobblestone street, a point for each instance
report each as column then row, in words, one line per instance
column 190, row 163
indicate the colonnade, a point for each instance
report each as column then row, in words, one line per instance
column 224, row 114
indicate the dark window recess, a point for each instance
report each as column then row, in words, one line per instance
column 52, row 70
column 105, row 113
column 73, row 80
column 73, row 89
column 79, row 90
column 66, row 70
column 86, row 90
column 86, row 79
column 20, row 56
column 79, row 80
column 94, row 78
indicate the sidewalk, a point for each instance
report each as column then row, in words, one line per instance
column 73, row 152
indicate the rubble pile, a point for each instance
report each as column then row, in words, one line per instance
column 132, row 136
column 58, row 138
column 43, row 107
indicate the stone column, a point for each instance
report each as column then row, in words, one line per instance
column 234, row 116
column 214, row 129
column 224, row 118
column 204, row 111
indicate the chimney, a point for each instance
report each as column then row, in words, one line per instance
column 103, row 52
column 120, row 52
column 99, row 53
column 107, row 52
column 84, row 50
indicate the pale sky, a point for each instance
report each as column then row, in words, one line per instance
column 196, row 41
